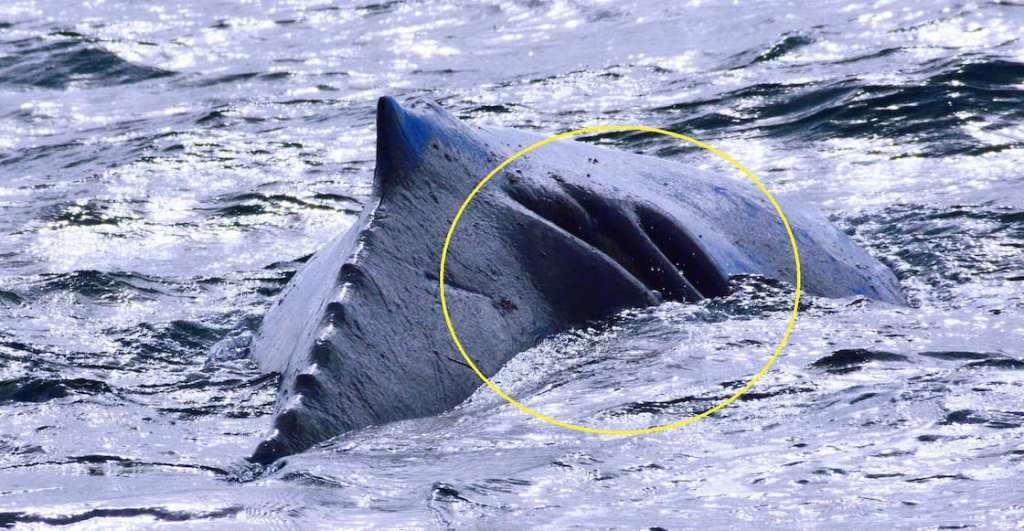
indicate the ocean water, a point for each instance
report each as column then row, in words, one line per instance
column 165, row 169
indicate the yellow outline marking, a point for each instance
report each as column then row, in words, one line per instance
column 609, row 431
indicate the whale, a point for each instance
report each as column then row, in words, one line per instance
column 567, row 235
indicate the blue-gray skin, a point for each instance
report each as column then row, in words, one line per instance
column 568, row 234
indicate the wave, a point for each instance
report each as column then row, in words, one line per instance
column 70, row 60
column 9, row 298
column 29, row 389
column 850, row 360
column 788, row 43
column 257, row 203
column 935, row 106
column 945, row 247
column 160, row 514
column 99, row 285
column 86, row 214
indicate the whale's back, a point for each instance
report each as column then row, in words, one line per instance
column 569, row 234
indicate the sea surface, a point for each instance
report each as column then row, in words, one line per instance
column 165, row 168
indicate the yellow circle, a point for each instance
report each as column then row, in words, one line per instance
column 609, row 431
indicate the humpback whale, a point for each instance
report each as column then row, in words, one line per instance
column 569, row 234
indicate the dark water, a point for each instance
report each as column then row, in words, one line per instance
column 165, row 169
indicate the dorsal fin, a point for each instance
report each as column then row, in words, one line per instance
column 402, row 137
column 408, row 135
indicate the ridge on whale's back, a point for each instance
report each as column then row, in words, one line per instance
column 568, row 235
